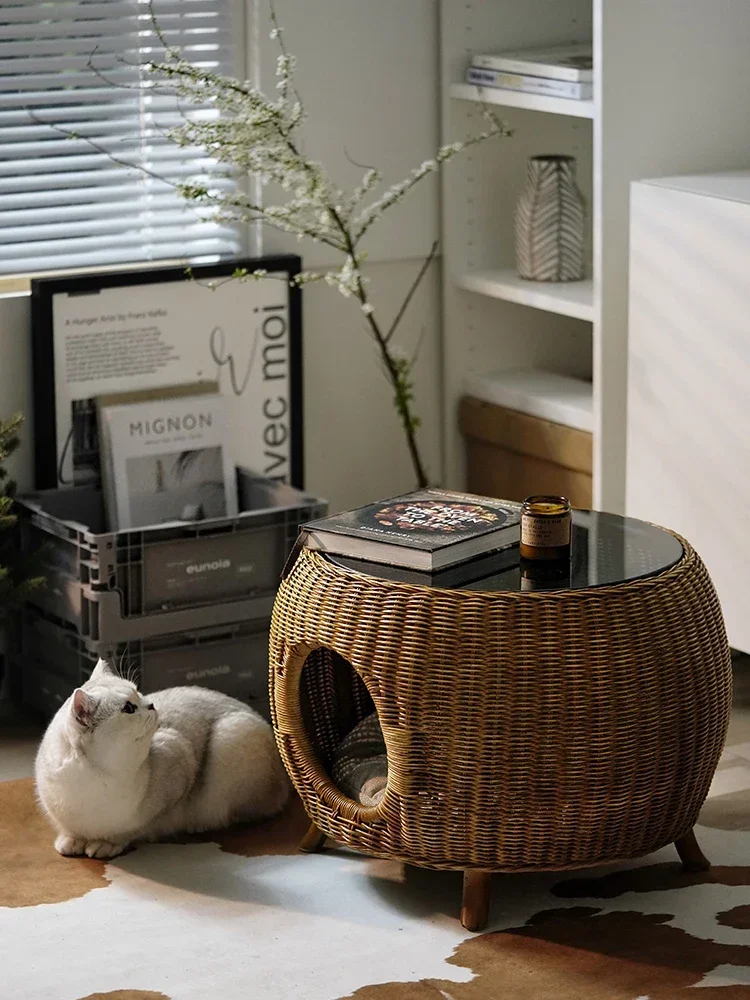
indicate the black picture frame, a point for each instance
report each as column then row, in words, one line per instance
column 43, row 291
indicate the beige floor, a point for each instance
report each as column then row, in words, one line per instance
column 19, row 737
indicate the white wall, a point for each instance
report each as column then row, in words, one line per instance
column 368, row 73
column 354, row 446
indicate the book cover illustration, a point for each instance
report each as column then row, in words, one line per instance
column 185, row 485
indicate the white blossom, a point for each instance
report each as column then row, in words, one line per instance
column 249, row 133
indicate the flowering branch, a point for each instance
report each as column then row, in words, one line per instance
column 256, row 135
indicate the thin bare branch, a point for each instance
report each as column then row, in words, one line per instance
column 362, row 166
column 99, row 148
column 410, row 294
column 418, row 347
column 117, row 85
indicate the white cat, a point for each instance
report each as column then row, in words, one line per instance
column 115, row 766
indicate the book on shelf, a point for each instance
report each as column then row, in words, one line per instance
column 166, row 456
column 428, row 530
column 529, row 84
column 573, row 62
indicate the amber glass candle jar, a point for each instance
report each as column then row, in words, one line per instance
column 545, row 528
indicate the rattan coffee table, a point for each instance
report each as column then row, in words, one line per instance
column 573, row 724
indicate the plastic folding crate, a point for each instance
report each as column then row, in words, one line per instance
column 51, row 660
column 120, row 586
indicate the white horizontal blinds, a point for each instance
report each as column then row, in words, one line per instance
column 79, row 66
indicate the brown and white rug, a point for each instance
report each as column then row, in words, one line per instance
column 244, row 917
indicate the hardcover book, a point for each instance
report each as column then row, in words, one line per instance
column 573, row 62
column 166, row 459
column 428, row 530
column 477, row 573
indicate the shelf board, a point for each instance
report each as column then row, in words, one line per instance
column 518, row 99
column 547, row 395
column 566, row 298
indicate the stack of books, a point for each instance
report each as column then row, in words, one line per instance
column 556, row 71
column 432, row 537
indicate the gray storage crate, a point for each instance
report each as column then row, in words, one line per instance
column 51, row 661
column 144, row 582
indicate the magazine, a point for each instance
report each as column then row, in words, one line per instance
column 572, row 62
column 166, row 458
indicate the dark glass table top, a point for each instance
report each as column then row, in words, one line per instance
column 606, row 549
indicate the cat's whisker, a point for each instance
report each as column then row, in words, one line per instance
column 120, row 665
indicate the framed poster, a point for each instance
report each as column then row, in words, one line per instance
column 131, row 330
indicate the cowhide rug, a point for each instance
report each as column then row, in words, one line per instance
column 243, row 916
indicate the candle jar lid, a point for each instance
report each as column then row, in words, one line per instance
column 546, row 506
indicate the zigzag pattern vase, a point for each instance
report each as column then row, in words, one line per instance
column 550, row 219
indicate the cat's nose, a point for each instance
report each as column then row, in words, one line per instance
column 151, row 707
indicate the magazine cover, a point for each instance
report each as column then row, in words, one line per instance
column 167, row 460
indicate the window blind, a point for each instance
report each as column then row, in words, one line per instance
column 78, row 66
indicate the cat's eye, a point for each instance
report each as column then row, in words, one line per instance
column 129, row 707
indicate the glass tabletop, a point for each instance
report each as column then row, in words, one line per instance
column 605, row 549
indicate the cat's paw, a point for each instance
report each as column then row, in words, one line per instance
column 70, row 847
column 103, row 849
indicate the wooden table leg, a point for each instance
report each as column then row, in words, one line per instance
column 313, row 840
column 476, row 900
column 692, row 857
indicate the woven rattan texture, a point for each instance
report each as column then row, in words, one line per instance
column 524, row 730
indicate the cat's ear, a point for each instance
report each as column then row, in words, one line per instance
column 82, row 708
column 101, row 670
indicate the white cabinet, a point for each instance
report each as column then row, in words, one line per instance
column 688, row 427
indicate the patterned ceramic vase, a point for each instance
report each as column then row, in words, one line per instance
column 550, row 218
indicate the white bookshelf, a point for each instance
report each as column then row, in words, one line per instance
column 517, row 99
column 641, row 122
column 570, row 298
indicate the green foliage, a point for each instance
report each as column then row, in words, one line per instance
column 15, row 587
column 403, row 384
